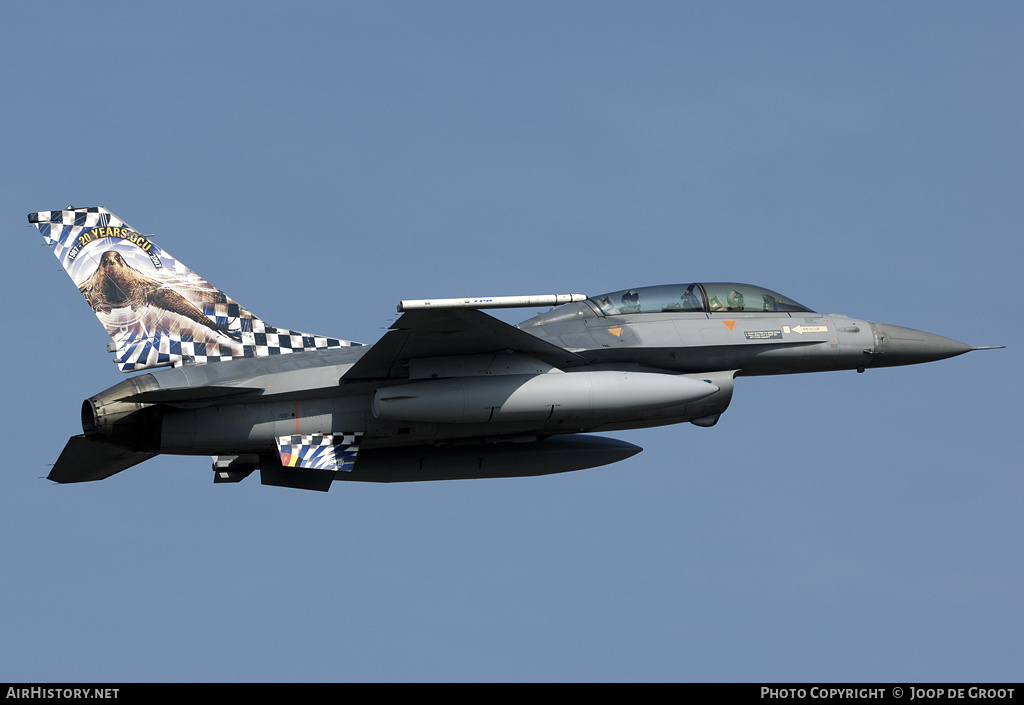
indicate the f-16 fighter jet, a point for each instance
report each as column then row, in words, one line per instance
column 449, row 392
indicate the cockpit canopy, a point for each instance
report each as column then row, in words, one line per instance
column 696, row 298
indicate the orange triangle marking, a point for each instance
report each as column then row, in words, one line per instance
column 729, row 324
column 617, row 332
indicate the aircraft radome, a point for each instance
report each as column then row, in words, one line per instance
column 447, row 393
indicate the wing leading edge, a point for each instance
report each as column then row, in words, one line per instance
column 444, row 332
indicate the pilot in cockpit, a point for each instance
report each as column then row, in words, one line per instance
column 630, row 302
column 691, row 302
column 734, row 302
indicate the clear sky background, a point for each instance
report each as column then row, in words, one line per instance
column 320, row 161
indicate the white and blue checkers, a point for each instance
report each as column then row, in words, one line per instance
column 170, row 315
column 319, row 451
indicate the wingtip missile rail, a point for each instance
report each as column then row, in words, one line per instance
column 492, row 302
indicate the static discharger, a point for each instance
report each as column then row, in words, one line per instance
column 493, row 302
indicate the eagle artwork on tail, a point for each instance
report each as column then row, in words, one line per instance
column 115, row 284
column 157, row 311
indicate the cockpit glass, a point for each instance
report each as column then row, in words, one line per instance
column 700, row 298
column 675, row 298
column 744, row 297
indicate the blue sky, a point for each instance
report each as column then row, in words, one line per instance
column 320, row 161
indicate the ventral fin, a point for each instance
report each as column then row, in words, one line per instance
column 319, row 451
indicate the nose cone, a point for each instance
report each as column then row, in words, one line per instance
column 895, row 345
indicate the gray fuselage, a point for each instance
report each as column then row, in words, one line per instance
column 248, row 403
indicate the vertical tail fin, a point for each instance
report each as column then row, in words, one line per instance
column 157, row 310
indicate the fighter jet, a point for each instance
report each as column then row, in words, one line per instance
column 449, row 392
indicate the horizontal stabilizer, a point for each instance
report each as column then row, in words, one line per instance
column 83, row 460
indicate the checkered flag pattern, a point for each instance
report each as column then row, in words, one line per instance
column 319, row 451
column 157, row 310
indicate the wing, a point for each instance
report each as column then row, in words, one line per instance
column 443, row 332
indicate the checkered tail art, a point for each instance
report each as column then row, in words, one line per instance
column 157, row 311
